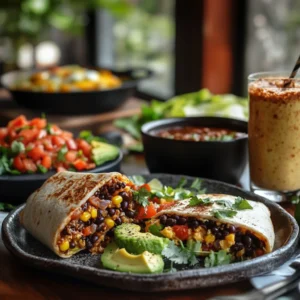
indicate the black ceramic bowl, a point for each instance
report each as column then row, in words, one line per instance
column 220, row 160
column 16, row 188
column 87, row 102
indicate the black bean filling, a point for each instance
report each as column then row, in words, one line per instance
column 101, row 233
column 246, row 244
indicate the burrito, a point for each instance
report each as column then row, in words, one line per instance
column 220, row 222
column 72, row 211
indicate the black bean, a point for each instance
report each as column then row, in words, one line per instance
column 181, row 221
column 72, row 245
column 204, row 226
column 111, row 211
column 217, row 245
column 111, row 189
column 237, row 247
column 88, row 244
column 249, row 252
column 111, row 233
column 225, row 233
column 100, row 227
column 124, row 204
column 163, row 219
column 84, row 206
column 231, row 228
column 171, row 222
column 214, row 230
column 99, row 220
column 65, row 232
column 129, row 214
column 219, row 235
column 247, row 241
column 176, row 217
column 194, row 224
column 210, row 224
column 102, row 196
column 117, row 186
column 118, row 221
column 88, row 222
column 94, row 238
column 238, row 239
column 123, row 185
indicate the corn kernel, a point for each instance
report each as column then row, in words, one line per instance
column 109, row 222
column 230, row 238
column 116, row 200
column 85, row 216
column 168, row 232
column 94, row 213
column 210, row 238
column 64, row 246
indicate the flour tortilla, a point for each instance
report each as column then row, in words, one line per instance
column 257, row 220
column 48, row 210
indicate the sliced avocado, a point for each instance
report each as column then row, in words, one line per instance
column 102, row 152
column 120, row 260
column 128, row 236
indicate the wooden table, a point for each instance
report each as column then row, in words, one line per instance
column 21, row 282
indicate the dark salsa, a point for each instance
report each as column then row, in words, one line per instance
column 197, row 134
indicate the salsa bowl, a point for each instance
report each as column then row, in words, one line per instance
column 223, row 160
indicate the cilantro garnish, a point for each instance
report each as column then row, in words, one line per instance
column 196, row 184
column 241, row 204
column 17, row 147
column 49, row 128
column 137, row 179
column 224, row 213
column 179, row 255
column 142, row 196
column 217, row 259
column 199, row 201
column 89, row 137
column 42, row 169
column 61, row 153
column 182, row 182
column 6, row 206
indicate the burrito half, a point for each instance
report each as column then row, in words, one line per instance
column 247, row 234
column 72, row 211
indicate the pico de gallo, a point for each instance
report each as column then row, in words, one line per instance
column 37, row 146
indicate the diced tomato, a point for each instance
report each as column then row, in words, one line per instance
column 57, row 141
column 3, row 133
column 38, row 123
column 60, row 169
column 36, row 153
column 47, row 144
column 47, row 161
column 84, row 146
column 76, row 214
column 181, row 231
column 259, row 252
column 146, row 212
column 91, row 166
column 55, row 129
column 20, row 121
column 165, row 205
column 155, row 200
column 66, row 135
column 71, row 156
column 87, row 231
column 71, row 144
column 29, row 165
column 18, row 164
column 145, row 186
column 28, row 135
column 42, row 134
column 80, row 164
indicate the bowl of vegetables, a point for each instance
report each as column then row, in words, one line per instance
column 33, row 150
column 210, row 147
column 72, row 89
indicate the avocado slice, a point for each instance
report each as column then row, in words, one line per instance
column 102, row 152
column 128, row 236
column 120, row 260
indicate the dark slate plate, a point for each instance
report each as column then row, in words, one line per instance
column 88, row 267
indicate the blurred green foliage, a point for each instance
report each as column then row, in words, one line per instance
column 29, row 20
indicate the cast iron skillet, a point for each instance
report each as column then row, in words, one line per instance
column 89, row 102
column 220, row 160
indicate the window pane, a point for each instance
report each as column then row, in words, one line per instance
column 144, row 38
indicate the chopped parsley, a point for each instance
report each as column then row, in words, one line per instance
column 6, row 206
column 199, row 201
column 182, row 182
column 61, row 153
column 217, row 259
column 196, row 184
column 89, row 137
column 42, row 169
column 17, row 147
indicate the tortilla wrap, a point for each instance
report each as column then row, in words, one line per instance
column 256, row 220
column 48, row 210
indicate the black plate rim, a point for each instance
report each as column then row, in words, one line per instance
column 39, row 176
column 268, row 261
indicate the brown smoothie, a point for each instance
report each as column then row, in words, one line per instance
column 274, row 134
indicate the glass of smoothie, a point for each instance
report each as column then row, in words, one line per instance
column 274, row 135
